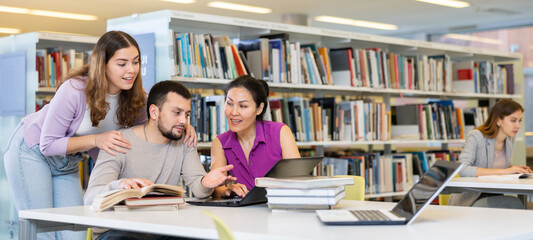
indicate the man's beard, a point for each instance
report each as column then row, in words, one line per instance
column 169, row 134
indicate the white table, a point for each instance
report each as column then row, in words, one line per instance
column 490, row 185
column 258, row 222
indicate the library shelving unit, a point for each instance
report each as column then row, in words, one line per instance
column 27, row 43
column 163, row 23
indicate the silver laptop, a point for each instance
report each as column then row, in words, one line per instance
column 406, row 211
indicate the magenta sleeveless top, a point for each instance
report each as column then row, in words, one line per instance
column 266, row 151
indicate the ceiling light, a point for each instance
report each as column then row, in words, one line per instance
column 447, row 3
column 66, row 33
column 239, row 7
column 14, row 9
column 63, row 15
column 48, row 13
column 9, row 30
column 472, row 38
column 180, row 1
column 357, row 23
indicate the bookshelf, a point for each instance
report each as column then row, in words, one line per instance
column 28, row 43
column 164, row 23
column 211, row 83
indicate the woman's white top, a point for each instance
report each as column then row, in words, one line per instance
column 110, row 122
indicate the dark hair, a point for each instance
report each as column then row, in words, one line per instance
column 501, row 109
column 158, row 93
column 258, row 89
column 96, row 84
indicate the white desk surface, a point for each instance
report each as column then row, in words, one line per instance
column 258, row 222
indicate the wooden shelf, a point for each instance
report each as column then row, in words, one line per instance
column 205, row 145
column 288, row 87
column 185, row 19
column 67, row 37
column 46, row 90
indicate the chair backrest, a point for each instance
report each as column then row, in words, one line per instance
column 223, row 231
column 444, row 198
column 89, row 235
column 357, row 190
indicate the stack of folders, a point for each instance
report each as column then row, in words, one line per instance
column 304, row 193
column 151, row 203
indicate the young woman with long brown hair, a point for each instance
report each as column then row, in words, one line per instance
column 103, row 96
column 488, row 150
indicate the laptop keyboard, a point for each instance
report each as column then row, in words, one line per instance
column 228, row 200
column 370, row 215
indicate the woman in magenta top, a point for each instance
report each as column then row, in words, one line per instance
column 252, row 145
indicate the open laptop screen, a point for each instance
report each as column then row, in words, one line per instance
column 426, row 189
column 293, row 167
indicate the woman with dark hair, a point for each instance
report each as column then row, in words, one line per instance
column 103, row 96
column 488, row 150
column 252, row 145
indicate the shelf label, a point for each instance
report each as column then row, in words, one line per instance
column 183, row 15
column 56, row 36
column 280, row 26
column 336, row 33
column 360, row 36
column 249, row 23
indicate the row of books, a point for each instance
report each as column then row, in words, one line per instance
column 277, row 59
column 207, row 116
column 483, row 77
column 383, row 173
column 53, row 64
column 325, row 119
column 435, row 120
column 205, row 56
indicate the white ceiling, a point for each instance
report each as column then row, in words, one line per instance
column 410, row 16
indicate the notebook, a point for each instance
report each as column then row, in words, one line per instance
column 284, row 168
column 406, row 211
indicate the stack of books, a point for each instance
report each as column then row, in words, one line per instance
column 151, row 203
column 304, row 193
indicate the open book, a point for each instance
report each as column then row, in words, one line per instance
column 107, row 199
column 508, row 176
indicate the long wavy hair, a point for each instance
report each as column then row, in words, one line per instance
column 501, row 109
column 96, row 84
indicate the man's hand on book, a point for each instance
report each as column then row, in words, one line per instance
column 218, row 177
column 134, row 183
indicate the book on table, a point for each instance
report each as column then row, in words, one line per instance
column 155, row 199
column 306, row 182
column 299, row 207
column 123, row 208
column 508, row 176
column 108, row 199
column 306, row 199
column 314, row 192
